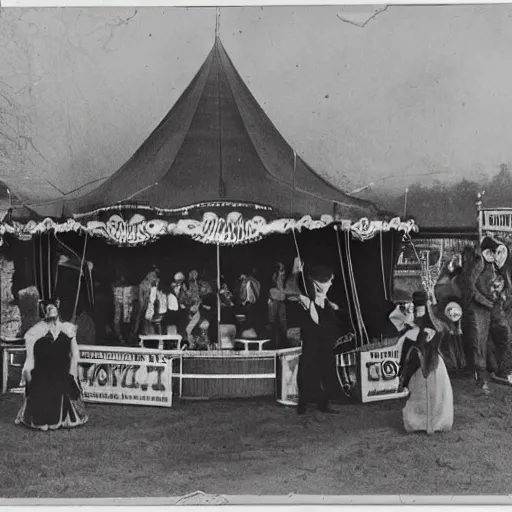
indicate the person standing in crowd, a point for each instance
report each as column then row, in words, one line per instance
column 52, row 392
column 320, row 328
column 179, row 316
column 124, row 307
column 209, row 302
column 294, row 310
column 226, row 302
column 145, row 286
column 277, row 307
column 198, row 291
column 194, row 304
column 480, row 280
column 161, row 301
column 249, row 303
column 429, row 405
column 500, row 349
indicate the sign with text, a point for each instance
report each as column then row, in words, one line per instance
column 229, row 231
column 125, row 375
column 379, row 373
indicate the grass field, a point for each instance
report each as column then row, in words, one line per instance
column 259, row 448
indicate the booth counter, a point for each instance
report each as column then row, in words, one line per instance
column 154, row 377
column 226, row 374
column 141, row 376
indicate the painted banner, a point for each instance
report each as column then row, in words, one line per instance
column 231, row 229
column 125, row 376
column 288, row 368
column 379, row 373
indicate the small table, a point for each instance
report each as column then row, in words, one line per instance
column 164, row 340
column 246, row 343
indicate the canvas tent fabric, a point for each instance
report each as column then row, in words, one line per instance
column 13, row 207
column 215, row 169
column 217, row 143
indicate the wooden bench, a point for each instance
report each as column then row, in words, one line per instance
column 247, row 343
column 165, row 341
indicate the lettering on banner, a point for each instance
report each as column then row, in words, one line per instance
column 124, row 397
column 385, row 354
column 122, row 357
column 383, row 365
column 381, row 392
column 222, row 231
column 133, row 232
column 124, row 376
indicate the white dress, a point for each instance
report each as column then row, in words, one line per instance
column 429, row 407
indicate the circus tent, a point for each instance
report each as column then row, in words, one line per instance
column 216, row 152
column 218, row 171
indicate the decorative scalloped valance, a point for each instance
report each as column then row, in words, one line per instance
column 232, row 229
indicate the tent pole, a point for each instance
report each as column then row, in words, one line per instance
column 49, row 265
column 82, row 262
column 218, row 297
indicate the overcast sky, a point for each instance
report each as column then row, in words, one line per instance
column 416, row 90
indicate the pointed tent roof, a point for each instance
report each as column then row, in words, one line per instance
column 217, row 144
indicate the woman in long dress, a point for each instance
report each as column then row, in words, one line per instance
column 52, row 392
column 430, row 403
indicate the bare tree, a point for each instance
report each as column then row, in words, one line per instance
column 17, row 147
column 76, row 35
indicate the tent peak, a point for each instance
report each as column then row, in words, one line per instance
column 217, row 24
column 217, row 144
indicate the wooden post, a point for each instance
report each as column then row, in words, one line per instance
column 480, row 216
column 218, row 298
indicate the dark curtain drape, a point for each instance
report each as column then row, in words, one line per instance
column 45, row 264
column 22, row 254
column 373, row 262
column 35, row 264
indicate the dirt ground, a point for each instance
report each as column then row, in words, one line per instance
column 259, row 447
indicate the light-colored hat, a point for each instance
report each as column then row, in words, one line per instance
column 453, row 306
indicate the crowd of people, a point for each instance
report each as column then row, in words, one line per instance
column 472, row 296
column 187, row 303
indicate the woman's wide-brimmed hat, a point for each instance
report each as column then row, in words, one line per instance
column 489, row 243
column 320, row 273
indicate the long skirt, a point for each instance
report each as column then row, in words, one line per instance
column 452, row 350
column 51, row 407
column 430, row 404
